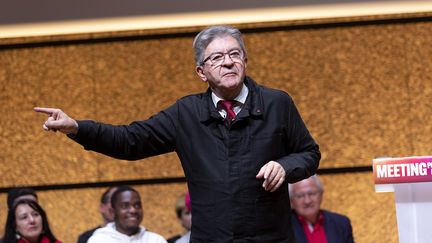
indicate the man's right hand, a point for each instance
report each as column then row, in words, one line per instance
column 58, row 121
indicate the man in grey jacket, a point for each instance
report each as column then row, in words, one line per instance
column 239, row 144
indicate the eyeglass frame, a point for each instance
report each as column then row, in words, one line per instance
column 241, row 57
column 310, row 194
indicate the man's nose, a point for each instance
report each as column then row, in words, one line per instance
column 307, row 198
column 132, row 209
column 227, row 61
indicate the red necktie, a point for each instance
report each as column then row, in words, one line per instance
column 227, row 105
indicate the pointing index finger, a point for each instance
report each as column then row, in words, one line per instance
column 45, row 110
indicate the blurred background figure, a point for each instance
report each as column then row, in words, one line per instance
column 184, row 214
column 105, row 211
column 128, row 215
column 18, row 193
column 27, row 223
column 311, row 223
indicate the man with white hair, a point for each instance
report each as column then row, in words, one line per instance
column 311, row 223
column 239, row 143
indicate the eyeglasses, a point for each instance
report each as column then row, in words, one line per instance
column 310, row 194
column 217, row 58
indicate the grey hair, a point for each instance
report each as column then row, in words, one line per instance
column 315, row 178
column 203, row 39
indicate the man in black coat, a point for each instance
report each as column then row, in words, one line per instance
column 239, row 144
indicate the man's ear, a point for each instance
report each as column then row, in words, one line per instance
column 200, row 71
column 101, row 208
column 245, row 62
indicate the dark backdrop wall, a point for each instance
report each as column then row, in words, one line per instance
column 363, row 86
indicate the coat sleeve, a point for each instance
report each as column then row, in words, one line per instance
column 338, row 228
column 303, row 155
column 138, row 140
column 348, row 232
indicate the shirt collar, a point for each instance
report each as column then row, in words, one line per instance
column 240, row 98
column 139, row 234
column 320, row 221
column 255, row 106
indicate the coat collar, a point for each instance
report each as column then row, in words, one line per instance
column 252, row 107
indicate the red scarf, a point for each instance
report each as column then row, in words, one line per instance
column 43, row 240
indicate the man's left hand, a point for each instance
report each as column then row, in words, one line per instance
column 273, row 174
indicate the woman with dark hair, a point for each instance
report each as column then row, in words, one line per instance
column 27, row 223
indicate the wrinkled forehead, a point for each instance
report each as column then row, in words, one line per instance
column 304, row 185
column 223, row 43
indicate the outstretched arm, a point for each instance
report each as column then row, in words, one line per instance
column 58, row 121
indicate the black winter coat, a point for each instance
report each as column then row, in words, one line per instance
column 220, row 163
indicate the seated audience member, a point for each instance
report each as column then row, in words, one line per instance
column 105, row 211
column 128, row 215
column 311, row 223
column 184, row 215
column 27, row 223
column 18, row 193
